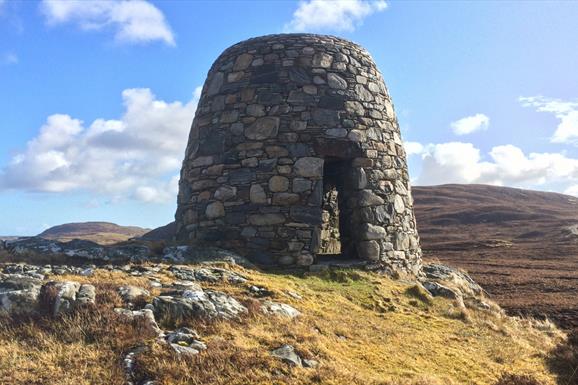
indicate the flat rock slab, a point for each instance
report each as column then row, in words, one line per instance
column 197, row 304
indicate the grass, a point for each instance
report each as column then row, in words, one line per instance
column 363, row 328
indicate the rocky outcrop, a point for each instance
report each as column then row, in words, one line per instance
column 197, row 304
column 63, row 297
column 19, row 294
column 449, row 282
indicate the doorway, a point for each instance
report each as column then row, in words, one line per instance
column 336, row 239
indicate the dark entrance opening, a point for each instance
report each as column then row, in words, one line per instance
column 336, row 231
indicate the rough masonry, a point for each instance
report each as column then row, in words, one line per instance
column 295, row 153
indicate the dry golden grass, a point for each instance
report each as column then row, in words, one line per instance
column 363, row 329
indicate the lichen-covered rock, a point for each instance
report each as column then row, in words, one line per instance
column 62, row 297
column 197, row 304
column 19, row 294
column 144, row 317
column 206, row 274
column 280, row 309
column 439, row 290
column 287, row 354
column 185, row 341
column 452, row 278
column 196, row 254
column 130, row 293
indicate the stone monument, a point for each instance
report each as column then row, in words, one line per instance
column 295, row 154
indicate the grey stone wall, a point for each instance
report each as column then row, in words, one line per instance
column 276, row 112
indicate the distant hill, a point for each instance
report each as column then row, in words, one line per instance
column 520, row 245
column 162, row 233
column 103, row 233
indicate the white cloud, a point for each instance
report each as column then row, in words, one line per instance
column 412, row 148
column 565, row 111
column 8, row 58
column 135, row 21
column 458, row 162
column 135, row 156
column 470, row 124
column 338, row 15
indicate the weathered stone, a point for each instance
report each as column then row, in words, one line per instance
column 287, row 354
column 368, row 198
column 263, row 128
column 215, row 210
column 132, row 293
column 62, row 297
column 225, row 192
column 19, row 294
column 257, row 194
column 197, row 304
column 325, row 117
column 278, row 183
column 309, row 167
column 256, row 110
column 368, row 250
column 372, row 232
column 243, row 61
column 336, row 132
column 215, row 84
column 285, row 199
column 322, row 60
column 266, row 219
column 281, row 309
column 336, row 81
column 398, row 204
column 300, row 185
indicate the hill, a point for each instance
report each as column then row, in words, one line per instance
column 103, row 233
column 520, row 245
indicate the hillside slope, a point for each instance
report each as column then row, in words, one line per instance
column 354, row 327
column 100, row 232
column 520, row 245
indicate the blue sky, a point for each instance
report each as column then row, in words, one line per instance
column 96, row 98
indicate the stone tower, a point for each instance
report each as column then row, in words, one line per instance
column 295, row 153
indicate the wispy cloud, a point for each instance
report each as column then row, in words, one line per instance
column 470, row 124
column 336, row 15
column 565, row 111
column 136, row 21
column 8, row 58
column 136, row 156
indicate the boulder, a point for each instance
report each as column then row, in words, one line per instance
column 19, row 294
column 280, row 309
column 439, row 290
column 144, row 317
column 63, row 297
column 287, row 354
column 453, row 278
column 130, row 294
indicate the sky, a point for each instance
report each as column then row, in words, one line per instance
column 97, row 97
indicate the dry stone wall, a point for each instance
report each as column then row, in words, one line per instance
column 282, row 120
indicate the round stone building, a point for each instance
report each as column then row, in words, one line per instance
column 295, row 155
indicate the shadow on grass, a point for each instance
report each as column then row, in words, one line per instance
column 563, row 360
